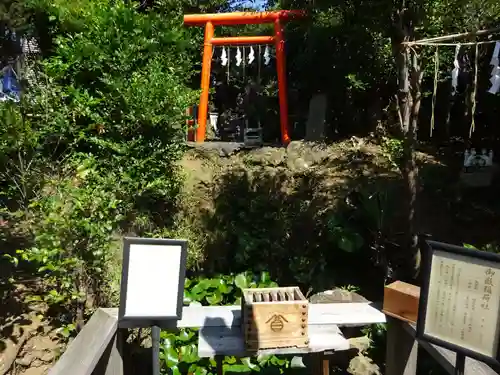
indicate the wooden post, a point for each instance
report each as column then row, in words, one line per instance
column 325, row 364
column 320, row 364
column 402, row 349
column 460, row 364
column 115, row 365
column 219, row 365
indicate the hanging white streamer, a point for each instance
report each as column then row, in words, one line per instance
column 456, row 70
column 267, row 56
column 251, row 56
column 495, row 81
column 238, row 57
column 223, row 57
column 494, row 58
column 495, row 73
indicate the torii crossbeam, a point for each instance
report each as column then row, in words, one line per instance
column 243, row 18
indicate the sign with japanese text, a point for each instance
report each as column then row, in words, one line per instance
column 460, row 301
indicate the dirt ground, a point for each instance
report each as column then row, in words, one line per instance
column 29, row 345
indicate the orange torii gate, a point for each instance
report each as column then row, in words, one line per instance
column 243, row 18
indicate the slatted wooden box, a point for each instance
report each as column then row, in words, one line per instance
column 274, row 318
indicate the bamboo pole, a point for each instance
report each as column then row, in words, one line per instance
column 451, row 44
column 444, row 38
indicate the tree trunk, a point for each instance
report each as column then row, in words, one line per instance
column 409, row 97
column 410, row 170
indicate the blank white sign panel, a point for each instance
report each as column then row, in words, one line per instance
column 153, row 280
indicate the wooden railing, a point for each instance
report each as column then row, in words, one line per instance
column 99, row 348
column 402, row 353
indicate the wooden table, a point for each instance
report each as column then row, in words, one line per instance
column 221, row 334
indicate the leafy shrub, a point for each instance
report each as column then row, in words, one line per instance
column 100, row 126
column 115, row 89
column 72, row 228
column 273, row 221
column 19, row 163
column 393, row 150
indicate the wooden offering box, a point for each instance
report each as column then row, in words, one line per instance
column 274, row 318
column 401, row 301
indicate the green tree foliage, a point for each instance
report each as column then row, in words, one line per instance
column 92, row 147
column 125, row 100
column 344, row 50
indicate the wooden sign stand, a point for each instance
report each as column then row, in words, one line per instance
column 152, row 287
column 460, row 302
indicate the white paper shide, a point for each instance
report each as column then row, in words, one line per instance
column 495, row 72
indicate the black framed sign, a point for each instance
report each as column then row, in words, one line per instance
column 152, row 284
column 460, row 301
